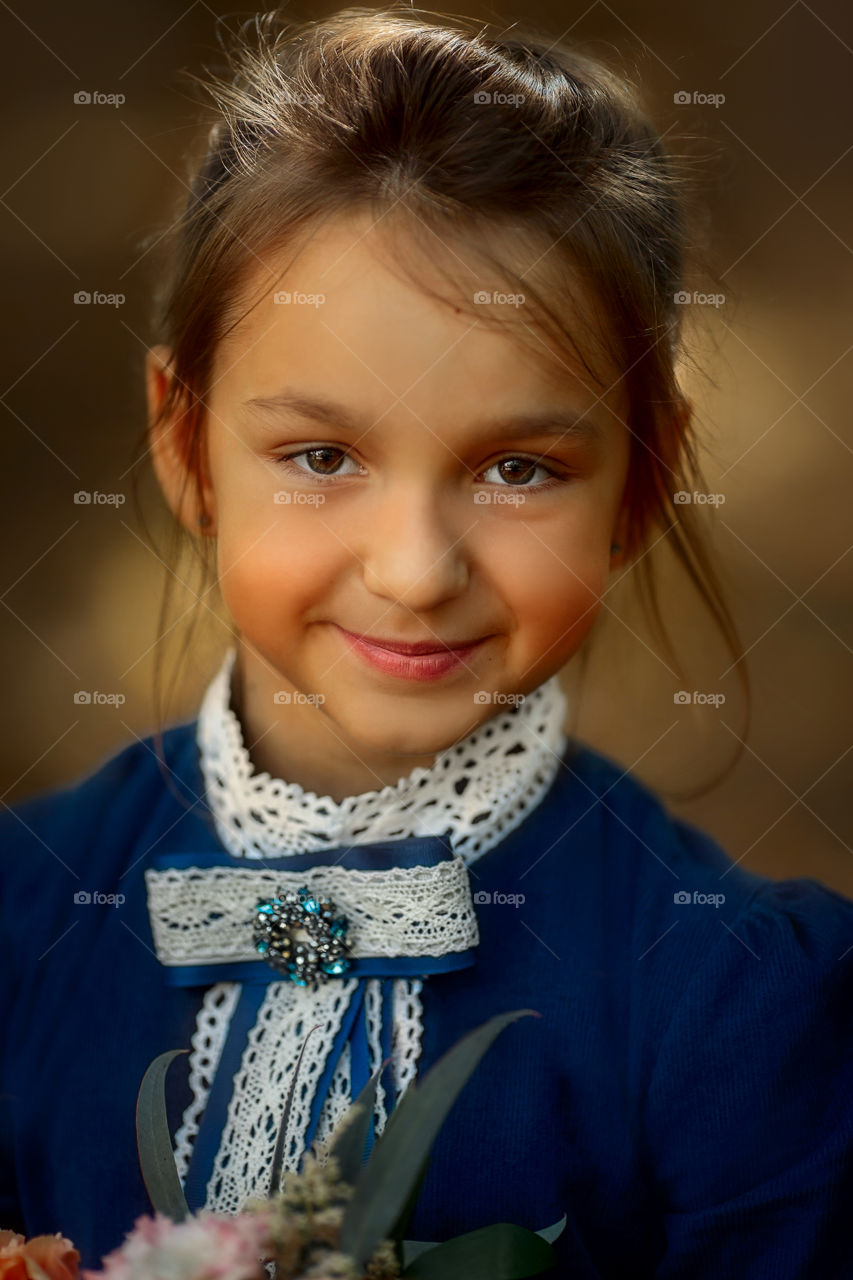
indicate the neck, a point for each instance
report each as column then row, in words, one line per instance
column 299, row 743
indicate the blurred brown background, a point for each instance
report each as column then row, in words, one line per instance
column 84, row 183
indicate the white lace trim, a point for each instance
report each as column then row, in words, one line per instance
column 475, row 793
column 212, row 1024
column 287, row 1013
column 338, row 1101
column 204, row 915
column 405, row 1050
column 373, row 1018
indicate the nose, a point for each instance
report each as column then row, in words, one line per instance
column 414, row 553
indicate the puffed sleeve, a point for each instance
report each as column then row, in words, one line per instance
column 750, row 1104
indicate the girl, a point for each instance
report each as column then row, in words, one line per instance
column 414, row 392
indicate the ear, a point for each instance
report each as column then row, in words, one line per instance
column 169, row 444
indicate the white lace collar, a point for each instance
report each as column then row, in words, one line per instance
column 475, row 792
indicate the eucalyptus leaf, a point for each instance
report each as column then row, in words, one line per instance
column 401, row 1226
column 278, row 1154
column 385, row 1183
column 502, row 1251
column 154, row 1143
column 348, row 1145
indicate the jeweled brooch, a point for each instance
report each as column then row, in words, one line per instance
column 302, row 936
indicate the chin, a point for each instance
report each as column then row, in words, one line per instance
column 396, row 735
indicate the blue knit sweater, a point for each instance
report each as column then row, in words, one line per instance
column 685, row 1100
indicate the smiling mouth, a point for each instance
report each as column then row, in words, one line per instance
column 417, row 648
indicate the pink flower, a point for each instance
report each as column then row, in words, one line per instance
column 204, row 1247
column 40, row 1258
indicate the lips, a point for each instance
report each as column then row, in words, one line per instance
column 415, row 648
column 411, row 660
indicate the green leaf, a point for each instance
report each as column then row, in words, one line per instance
column 398, row 1231
column 154, row 1144
column 401, row 1226
column 278, row 1154
column 398, row 1155
column 500, row 1252
column 348, row 1145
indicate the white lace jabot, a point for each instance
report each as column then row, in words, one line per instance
column 474, row 792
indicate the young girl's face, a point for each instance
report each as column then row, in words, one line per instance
column 407, row 502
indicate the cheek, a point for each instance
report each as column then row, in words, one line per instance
column 543, row 566
column 552, row 579
column 558, row 606
column 274, row 573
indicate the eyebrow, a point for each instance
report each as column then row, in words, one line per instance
column 556, row 421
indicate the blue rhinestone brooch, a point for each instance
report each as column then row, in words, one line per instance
column 301, row 936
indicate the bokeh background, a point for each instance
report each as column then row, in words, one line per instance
column 85, row 184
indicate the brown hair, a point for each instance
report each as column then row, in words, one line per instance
column 379, row 108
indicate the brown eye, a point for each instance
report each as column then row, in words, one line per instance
column 516, row 469
column 323, row 460
column 516, row 472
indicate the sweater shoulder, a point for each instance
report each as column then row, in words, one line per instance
column 635, row 826
column 147, row 774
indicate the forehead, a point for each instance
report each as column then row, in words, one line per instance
column 372, row 314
